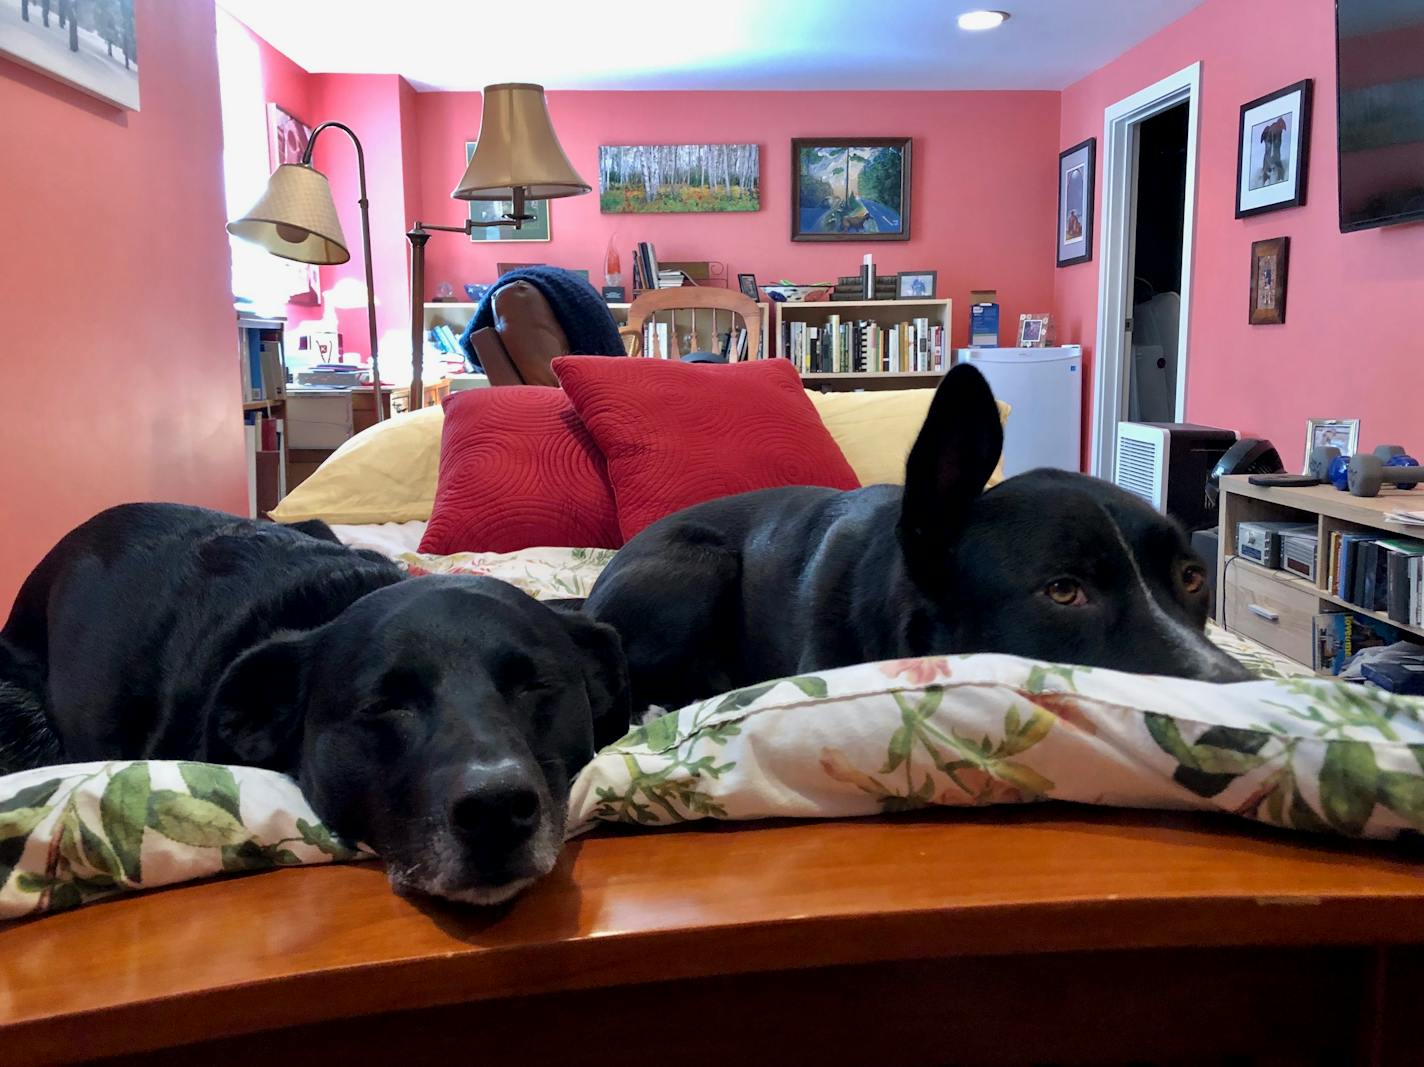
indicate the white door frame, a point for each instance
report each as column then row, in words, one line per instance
column 1115, row 264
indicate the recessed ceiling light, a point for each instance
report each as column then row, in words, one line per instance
column 982, row 20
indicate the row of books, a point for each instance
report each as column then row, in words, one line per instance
column 1379, row 573
column 863, row 346
column 266, row 476
column 648, row 275
column 264, row 375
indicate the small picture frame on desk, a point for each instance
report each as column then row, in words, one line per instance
column 1343, row 434
column 615, row 294
column 747, row 283
column 915, row 285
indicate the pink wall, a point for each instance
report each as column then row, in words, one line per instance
column 982, row 206
column 118, row 342
column 1350, row 337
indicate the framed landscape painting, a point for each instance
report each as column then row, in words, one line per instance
column 677, row 178
column 850, row 189
column 489, row 210
column 91, row 46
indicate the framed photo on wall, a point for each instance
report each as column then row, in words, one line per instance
column 1269, row 260
column 1272, row 150
column 850, row 189
column 1076, row 169
column 489, row 210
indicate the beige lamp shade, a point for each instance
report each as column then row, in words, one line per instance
column 517, row 147
column 295, row 218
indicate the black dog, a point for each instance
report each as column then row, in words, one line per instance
column 1048, row 565
column 438, row 719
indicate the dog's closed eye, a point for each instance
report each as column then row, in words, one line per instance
column 1066, row 591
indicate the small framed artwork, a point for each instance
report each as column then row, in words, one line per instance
column 1076, row 169
column 915, row 285
column 850, row 189
column 1343, row 434
column 1268, row 281
column 747, row 283
column 505, row 268
column 1272, row 150
column 536, row 229
column 1034, row 330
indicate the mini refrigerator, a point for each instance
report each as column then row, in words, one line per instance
column 1044, row 386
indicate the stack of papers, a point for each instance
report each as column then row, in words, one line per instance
column 1406, row 518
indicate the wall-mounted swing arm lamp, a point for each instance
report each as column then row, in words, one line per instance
column 517, row 158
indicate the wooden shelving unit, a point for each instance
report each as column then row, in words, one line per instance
column 886, row 313
column 1294, row 597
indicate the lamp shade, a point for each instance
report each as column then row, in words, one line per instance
column 295, row 218
column 517, row 147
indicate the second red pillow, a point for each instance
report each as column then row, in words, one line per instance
column 518, row 470
column 675, row 434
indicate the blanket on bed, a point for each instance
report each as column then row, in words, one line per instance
column 1291, row 750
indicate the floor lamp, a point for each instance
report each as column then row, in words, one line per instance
column 295, row 218
column 517, row 158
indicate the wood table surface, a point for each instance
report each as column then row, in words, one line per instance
column 314, row 944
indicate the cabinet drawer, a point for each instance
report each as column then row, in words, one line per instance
column 1277, row 613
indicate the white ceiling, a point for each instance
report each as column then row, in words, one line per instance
column 716, row 44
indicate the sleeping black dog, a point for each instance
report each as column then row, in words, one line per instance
column 438, row 719
column 1048, row 565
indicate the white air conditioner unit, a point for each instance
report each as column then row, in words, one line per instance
column 1167, row 464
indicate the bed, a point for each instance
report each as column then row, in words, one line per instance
column 970, row 860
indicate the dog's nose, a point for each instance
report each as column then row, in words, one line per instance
column 498, row 806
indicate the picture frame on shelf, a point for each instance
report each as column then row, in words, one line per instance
column 1269, row 262
column 915, row 284
column 1035, row 330
column 850, row 188
column 1273, row 150
column 538, row 229
column 1343, row 434
column 1077, row 170
column 747, row 283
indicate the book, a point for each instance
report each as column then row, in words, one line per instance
column 1348, row 541
column 1340, row 635
column 1398, row 552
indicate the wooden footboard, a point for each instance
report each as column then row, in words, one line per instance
column 1048, row 933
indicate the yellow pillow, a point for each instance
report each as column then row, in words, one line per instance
column 386, row 473
column 876, row 429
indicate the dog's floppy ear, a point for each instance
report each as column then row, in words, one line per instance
column 605, row 672
column 952, row 459
column 258, row 710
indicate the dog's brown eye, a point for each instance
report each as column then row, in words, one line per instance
column 1066, row 591
column 1193, row 578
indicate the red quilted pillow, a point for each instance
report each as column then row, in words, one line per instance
column 518, row 470
column 676, row 434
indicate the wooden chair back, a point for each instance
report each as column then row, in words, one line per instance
column 699, row 313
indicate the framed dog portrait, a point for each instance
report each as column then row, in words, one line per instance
column 1272, row 150
column 1076, row 166
column 1268, row 281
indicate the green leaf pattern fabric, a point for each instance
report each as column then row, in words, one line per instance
column 76, row 833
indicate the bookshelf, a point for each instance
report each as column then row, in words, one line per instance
column 262, row 363
column 886, row 314
column 1248, row 594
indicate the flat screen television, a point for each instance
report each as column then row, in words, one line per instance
column 1379, row 49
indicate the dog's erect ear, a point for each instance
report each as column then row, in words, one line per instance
column 605, row 671
column 952, row 459
column 257, row 713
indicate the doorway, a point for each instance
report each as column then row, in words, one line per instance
column 1144, row 283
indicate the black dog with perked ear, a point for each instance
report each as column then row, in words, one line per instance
column 438, row 719
column 1048, row 565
